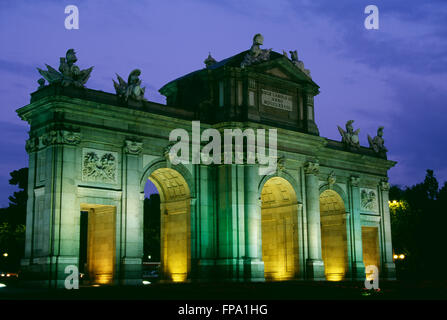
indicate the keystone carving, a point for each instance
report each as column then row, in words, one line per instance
column 311, row 167
column 133, row 147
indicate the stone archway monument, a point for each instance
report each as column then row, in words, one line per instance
column 91, row 154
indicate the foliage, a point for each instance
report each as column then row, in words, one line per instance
column 12, row 222
column 418, row 220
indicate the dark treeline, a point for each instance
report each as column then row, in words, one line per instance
column 418, row 225
column 12, row 223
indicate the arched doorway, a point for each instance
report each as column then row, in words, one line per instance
column 279, row 220
column 175, row 221
column 333, row 235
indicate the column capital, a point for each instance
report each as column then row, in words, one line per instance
column 32, row 145
column 384, row 185
column 133, row 147
column 63, row 136
column 312, row 167
column 69, row 137
column 354, row 180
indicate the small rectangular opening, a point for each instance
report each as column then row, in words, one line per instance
column 97, row 243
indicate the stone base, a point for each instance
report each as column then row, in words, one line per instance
column 131, row 272
column 358, row 271
column 46, row 272
column 228, row 270
column 254, row 270
column 315, row 270
column 388, row 271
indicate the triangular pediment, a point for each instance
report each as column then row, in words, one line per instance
column 283, row 68
column 277, row 72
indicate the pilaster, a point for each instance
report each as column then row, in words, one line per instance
column 314, row 263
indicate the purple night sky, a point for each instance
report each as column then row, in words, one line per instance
column 394, row 76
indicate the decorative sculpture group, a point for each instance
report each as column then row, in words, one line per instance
column 68, row 74
column 297, row 62
column 131, row 89
column 350, row 139
column 256, row 54
column 377, row 143
column 71, row 75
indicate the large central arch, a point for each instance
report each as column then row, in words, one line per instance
column 279, row 219
column 175, row 233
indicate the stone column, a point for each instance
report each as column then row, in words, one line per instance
column 31, row 148
column 230, row 223
column 358, row 267
column 254, row 266
column 314, row 263
column 132, row 229
column 52, row 217
column 388, row 268
column 202, row 263
column 193, row 251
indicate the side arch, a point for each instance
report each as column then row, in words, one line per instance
column 338, row 190
column 280, row 220
column 162, row 163
column 286, row 176
column 334, row 237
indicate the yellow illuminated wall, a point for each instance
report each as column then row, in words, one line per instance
column 333, row 235
column 175, row 223
column 279, row 215
column 370, row 244
column 101, row 243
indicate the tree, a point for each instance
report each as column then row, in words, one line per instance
column 12, row 222
column 418, row 221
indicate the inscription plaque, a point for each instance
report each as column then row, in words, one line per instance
column 276, row 100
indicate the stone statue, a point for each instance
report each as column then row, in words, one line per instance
column 132, row 88
column 209, row 61
column 69, row 73
column 350, row 138
column 331, row 179
column 377, row 144
column 41, row 83
column 256, row 54
column 298, row 63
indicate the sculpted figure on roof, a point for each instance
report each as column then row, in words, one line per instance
column 69, row 73
column 256, row 54
column 132, row 88
column 377, row 143
column 350, row 138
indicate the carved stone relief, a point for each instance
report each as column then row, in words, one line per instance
column 368, row 200
column 99, row 166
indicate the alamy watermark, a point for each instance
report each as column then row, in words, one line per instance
column 72, row 280
column 255, row 151
column 372, row 277
column 372, row 20
column 72, row 20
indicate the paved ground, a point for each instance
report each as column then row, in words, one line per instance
column 296, row 290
